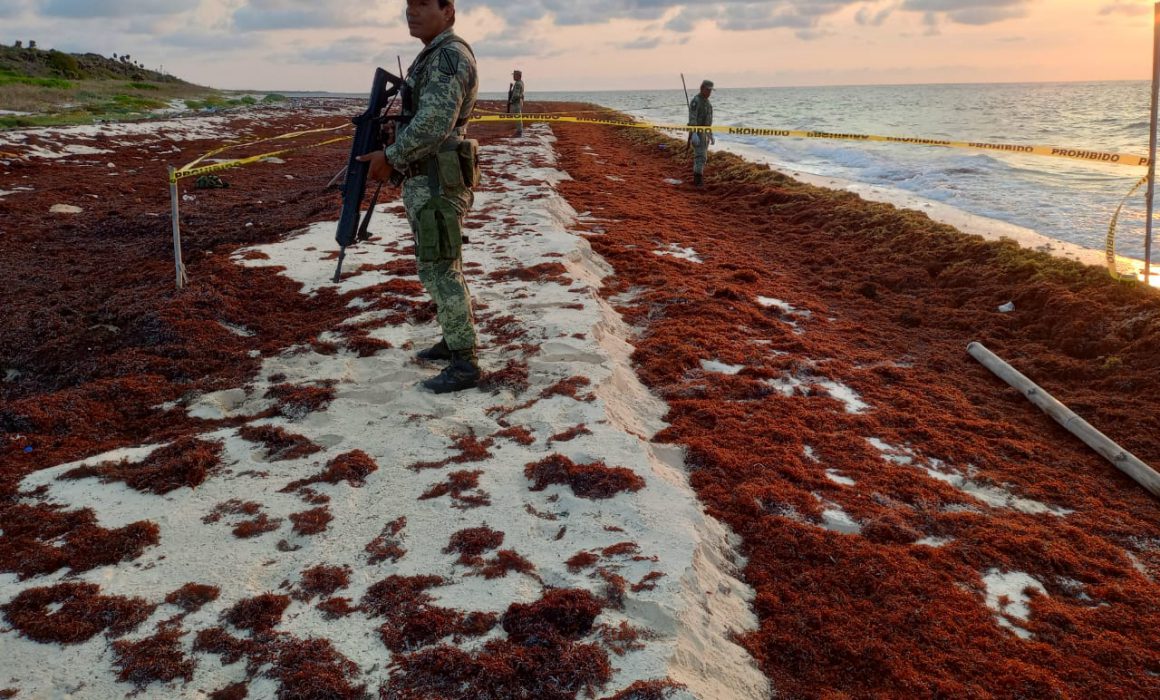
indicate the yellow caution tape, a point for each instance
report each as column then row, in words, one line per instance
column 1091, row 156
column 1052, row 151
column 280, row 137
column 187, row 171
column 1111, row 242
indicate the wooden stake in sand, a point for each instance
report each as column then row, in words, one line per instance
column 173, row 199
column 1123, row 460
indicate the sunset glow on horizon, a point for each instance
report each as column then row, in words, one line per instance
column 609, row 45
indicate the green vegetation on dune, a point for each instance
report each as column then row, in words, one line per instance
column 52, row 88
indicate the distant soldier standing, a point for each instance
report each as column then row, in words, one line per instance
column 515, row 103
column 437, row 166
column 701, row 114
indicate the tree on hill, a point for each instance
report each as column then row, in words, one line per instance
column 71, row 66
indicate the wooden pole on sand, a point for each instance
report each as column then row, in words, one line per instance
column 1152, row 144
column 180, row 266
column 1122, row 459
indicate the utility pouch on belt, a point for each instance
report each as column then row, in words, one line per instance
column 469, row 161
column 440, row 237
column 450, row 173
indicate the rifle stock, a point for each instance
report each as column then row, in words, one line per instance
column 368, row 137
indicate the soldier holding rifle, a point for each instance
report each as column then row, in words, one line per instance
column 437, row 167
column 701, row 114
column 515, row 101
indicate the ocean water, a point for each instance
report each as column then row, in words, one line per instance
column 1061, row 199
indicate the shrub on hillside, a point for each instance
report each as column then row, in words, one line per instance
column 63, row 64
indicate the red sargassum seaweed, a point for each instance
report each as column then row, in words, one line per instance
column 233, row 506
column 256, row 527
column 504, row 330
column 909, row 619
column 513, row 377
column 517, row 434
column 472, row 542
column 504, row 562
column 592, row 481
column 156, row 659
column 311, row 522
column 649, row 690
column 569, row 387
column 623, row 638
column 296, row 401
column 457, row 486
column 186, row 462
column 411, row 620
column 231, row 649
column 31, row 535
column 581, row 561
column 362, row 344
column 351, row 467
column 542, row 273
column 314, row 670
column 82, row 613
column 501, row 669
column 541, row 657
column 570, row 434
column 561, row 614
column 281, row 444
column 310, row 668
column 192, row 596
column 389, row 544
column 620, row 549
column 648, row 583
column 471, row 449
column 323, row 581
column 337, row 608
column 259, row 614
column 235, row 691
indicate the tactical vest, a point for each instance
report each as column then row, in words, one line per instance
column 419, row 66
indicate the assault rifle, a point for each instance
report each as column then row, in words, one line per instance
column 368, row 137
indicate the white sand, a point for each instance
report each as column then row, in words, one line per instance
column 992, row 495
column 694, row 608
column 1007, row 597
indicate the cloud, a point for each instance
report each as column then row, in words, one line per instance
column 973, row 12
column 735, row 15
column 643, row 42
column 14, row 8
column 500, row 47
column 1127, row 8
column 209, row 41
column 271, row 15
column 90, row 9
column 867, row 18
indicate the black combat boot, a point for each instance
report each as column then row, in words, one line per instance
column 437, row 352
column 698, row 181
column 462, row 373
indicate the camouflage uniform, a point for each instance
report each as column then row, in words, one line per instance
column 444, row 83
column 516, row 103
column 700, row 114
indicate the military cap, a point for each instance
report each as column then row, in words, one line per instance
column 707, row 84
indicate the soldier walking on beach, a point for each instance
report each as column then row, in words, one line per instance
column 701, row 114
column 437, row 167
column 515, row 103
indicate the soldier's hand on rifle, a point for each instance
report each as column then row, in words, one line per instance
column 390, row 131
column 381, row 168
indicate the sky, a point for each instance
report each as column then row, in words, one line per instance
column 595, row 45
